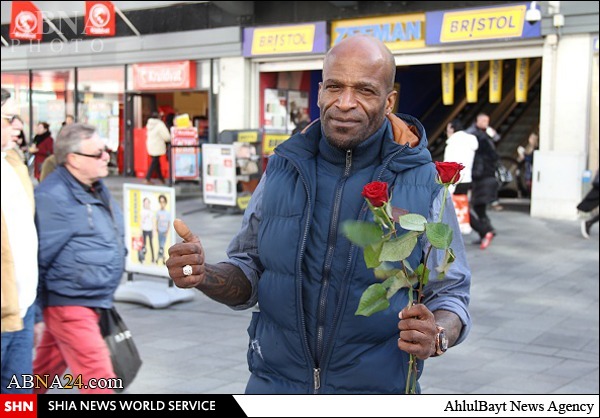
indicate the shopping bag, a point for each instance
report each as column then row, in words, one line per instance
column 124, row 355
column 461, row 207
column 503, row 175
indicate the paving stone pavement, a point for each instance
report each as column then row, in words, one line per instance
column 534, row 304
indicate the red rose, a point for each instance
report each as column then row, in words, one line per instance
column 449, row 172
column 376, row 192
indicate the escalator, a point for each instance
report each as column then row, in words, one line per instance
column 513, row 121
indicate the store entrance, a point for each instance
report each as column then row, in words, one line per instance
column 171, row 104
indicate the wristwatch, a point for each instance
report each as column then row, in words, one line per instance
column 441, row 341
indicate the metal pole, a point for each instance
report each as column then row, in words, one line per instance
column 212, row 108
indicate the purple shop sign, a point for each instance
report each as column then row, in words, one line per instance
column 305, row 38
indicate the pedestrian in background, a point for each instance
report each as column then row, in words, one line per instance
column 156, row 144
column 49, row 163
column 525, row 158
column 307, row 278
column 19, row 137
column 81, row 258
column 19, row 260
column 42, row 146
column 460, row 148
column 589, row 204
column 485, row 187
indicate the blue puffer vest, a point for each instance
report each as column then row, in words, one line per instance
column 306, row 338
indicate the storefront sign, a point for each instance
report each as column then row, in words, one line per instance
column 247, row 136
column 243, row 201
column 522, row 80
column 495, row 81
column 99, row 18
column 448, row 83
column 26, row 21
column 292, row 39
column 164, row 76
column 398, row 32
column 270, row 141
column 480, row 24
column 472, row 81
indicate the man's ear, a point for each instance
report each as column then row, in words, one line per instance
column 390, row 101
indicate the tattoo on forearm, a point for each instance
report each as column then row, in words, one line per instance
column 226, row 284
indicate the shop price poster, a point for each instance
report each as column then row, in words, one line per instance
column 185, row 158
column 219, row 174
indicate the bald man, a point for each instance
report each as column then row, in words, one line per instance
column 291, row 258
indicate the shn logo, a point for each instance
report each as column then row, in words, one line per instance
column 18, row 406
column 99, row 15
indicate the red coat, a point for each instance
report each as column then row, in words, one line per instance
column 45, row 147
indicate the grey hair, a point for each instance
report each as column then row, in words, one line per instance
column 5, row 95
column 69, row 140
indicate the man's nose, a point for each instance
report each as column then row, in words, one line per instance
column 347, row 99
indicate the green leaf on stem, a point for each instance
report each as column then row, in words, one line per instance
column 443, row 268
column 399, row 248
column 372, row 300
column 422, row 274
column 385, row 271
column 371, row 255
column 412, row 222
column 362, row 233
column 399, row 281
column 439, row 235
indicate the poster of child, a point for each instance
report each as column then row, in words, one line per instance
column 148, row 211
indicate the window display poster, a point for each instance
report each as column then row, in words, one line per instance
column 149, row 212
column 297, row 108
column 185, row 159
column 219, row 174
column 276, row 115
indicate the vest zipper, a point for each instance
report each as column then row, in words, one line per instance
column 325, row 356
column 331, row 242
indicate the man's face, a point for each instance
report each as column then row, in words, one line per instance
column 483, row 121
column 8, row 110
column 353, row 97
column 6, row 130
column 93, row 165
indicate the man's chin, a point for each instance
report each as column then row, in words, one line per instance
column 343, row 142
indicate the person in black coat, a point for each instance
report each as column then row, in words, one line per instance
column 485, row 186
column 587, row 205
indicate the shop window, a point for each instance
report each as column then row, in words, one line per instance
column 52, row 97
column 100, row 101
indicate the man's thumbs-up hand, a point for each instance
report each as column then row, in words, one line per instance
column 186, row 259
column 184, row 231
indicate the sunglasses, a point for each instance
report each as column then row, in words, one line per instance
column 7, row 118
column 97, row 156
